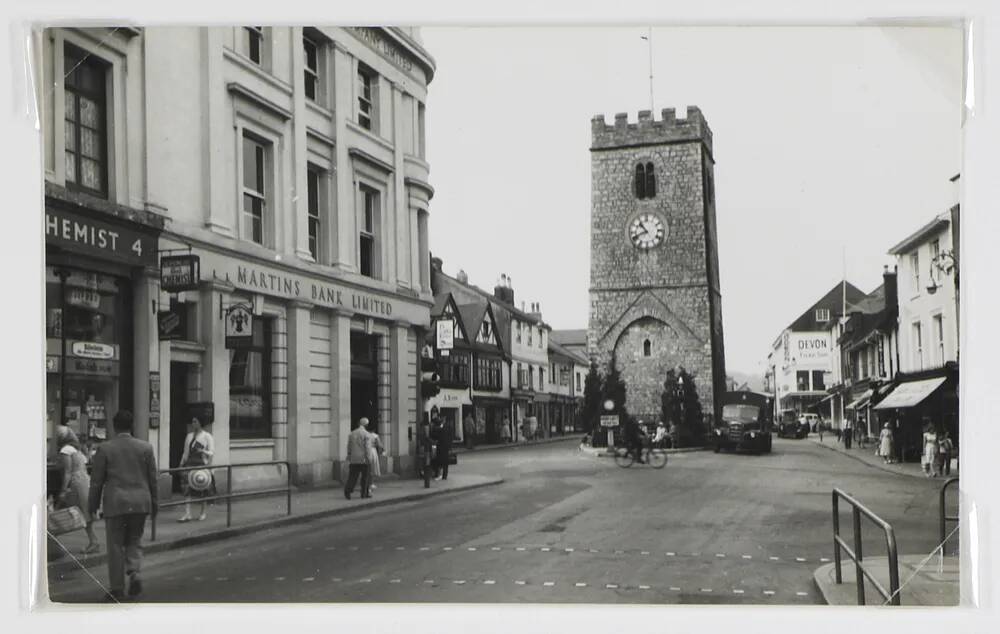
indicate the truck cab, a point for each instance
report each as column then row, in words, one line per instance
column 790, row 425
column 745, row 425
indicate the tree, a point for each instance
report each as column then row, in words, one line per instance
column 592, row 401
column 681, row 405
column 614, row 390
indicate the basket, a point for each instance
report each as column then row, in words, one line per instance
column 66, row 520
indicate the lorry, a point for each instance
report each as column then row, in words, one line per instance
column 747, row 419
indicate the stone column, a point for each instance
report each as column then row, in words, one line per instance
column 145, row 349
column 299, row 209
column 402, row 390
column 299, row 428
column 345, row 72
column 216, row 137
column 340, row 389
column 215, row 371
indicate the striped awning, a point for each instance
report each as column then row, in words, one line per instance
column 910, row 394
column 861, row 401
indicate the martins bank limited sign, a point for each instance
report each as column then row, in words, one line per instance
column 269, row 280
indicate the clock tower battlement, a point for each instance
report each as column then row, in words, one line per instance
column 655, row 302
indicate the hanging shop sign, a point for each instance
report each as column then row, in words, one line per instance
column 154, row 400
column 179, row 272
column 83, row 298
column 78, row 233
column 169, row 325
column 239, row 326
column 445, row 334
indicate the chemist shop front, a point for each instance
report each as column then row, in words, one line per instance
column 322, row 353
column 100, row 280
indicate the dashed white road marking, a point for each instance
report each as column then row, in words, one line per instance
column 769, row 593
column 569, row 550
column 594, row 550
column 395, row 580
column 338, row 579
column 330, row 548
column 619, row 552
column 706, row 589
column 720, row 555
column 670, row 554
column 353, row 548
column 199, row 578
column 364, row 580
column 774, row 558
column 521, row 548
column 644, row 552
column 458, row 582
column 489, row 582
column 675, row 589
column 546, row 549
column 802, row 594
column 519, row 582
column 400, row 547
column 580, row 584
column 824, row 559
column 737, row 591
column 495, row 548
column 471, row 549
column 549, row 584
column 611, row 586
column 222, row 578
column 309, row 547
column 428, row 581
column 424, row 548
column 643, row 587
column 446, row 548
column 747, row 556
column 249, row 578
column 800, row 559
column 309, row 578
column 277, row 578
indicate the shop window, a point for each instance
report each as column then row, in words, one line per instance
column 88, row 352
column 315, row 179
column 256, row 167
column 818, row 383
column 367, row 98
column 455, row 369
column 85, row 126
column 368, row 243
column 311, row 51
column 250, row 385
column 489, row 376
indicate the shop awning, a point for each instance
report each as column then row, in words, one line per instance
column 910, row 394
column 861, row 401
column 827, row 398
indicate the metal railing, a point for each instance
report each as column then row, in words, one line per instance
column 943, row 519
column 858, row 509
column 229, row 495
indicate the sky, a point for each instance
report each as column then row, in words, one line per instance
column 826, row 139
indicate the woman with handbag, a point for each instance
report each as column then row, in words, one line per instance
column 198, row 451
column 75, row 489
column 374, row 467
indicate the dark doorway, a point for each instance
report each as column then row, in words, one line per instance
column 364, row 380
column 179, row 418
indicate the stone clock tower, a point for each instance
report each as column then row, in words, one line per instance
column 654, row 266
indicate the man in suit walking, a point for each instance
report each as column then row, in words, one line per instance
column 359, row 442
column 124, row 478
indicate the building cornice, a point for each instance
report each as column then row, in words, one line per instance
column 238, row 90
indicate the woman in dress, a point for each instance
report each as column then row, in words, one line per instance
column 76, row 483
column 929, row 454
column 885, row 444
column 374, row 468
column 198, row 451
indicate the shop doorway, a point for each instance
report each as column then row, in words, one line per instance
column 179, row 415
column 364, row 380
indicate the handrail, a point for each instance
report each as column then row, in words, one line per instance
column 229, row 495
column 942, row 518
column 859, row 509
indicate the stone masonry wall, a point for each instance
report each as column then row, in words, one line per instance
column 662, row 294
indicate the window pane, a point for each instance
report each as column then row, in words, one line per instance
column 650, row 181
column 89, row 113
column 90, row 77
column 249, row 163
column 70, row 106
column 69, row 132
column 260, row 168
column 258, row 230
column 310, row 86
column 366, row 256
column 312, row 186
column 90, row 143
column 70, row 167
column 90, row 174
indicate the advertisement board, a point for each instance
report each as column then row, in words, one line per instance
column 810, row 350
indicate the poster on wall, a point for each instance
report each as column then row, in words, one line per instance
column 154, row 400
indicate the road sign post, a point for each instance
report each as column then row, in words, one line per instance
column 610, row 421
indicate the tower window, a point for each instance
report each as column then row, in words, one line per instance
column 647, row 348
column 645, row 180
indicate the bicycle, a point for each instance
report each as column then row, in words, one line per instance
column 655, row 457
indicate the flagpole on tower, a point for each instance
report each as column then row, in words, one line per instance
column 649, row 40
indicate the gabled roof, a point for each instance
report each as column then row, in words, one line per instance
column 566, row 352
column 874, row 302
column 493, row 299
column 441, row 301
column 918, row 237
column 577, row 337
column 473, row 315
column 831, row 301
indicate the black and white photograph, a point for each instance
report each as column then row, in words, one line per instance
column 591, row 314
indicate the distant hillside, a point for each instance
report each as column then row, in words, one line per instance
column 756, row 381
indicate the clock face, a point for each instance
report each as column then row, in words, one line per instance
column 646, row 231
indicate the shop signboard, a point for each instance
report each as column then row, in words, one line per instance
column 179, row 272
column 169, row 325
column 445, row 334
column 91, row 367
column 811, row 350
column 83, row 298
column 239, row 326
column 91, row 236
column 92, row 350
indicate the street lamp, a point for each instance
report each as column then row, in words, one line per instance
column 609, row 406
column 943, row 262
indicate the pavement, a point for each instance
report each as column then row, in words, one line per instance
column 924, row 581
column 564, row 527
column 257, row 514
column 460, row 449
column 867, row 456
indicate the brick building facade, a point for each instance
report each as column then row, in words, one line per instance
column 655, row 301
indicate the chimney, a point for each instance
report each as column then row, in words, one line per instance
column 891, row 294
column 536, row 310
column 436, row 263
column 503, row 290
column 462, row 276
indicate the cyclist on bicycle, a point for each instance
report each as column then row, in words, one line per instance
column 634, row 437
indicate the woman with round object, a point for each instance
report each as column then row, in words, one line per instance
column 199, row 483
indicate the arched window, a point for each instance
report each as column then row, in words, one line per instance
column 647, row 348
column 650, row 181
column 640, row 181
